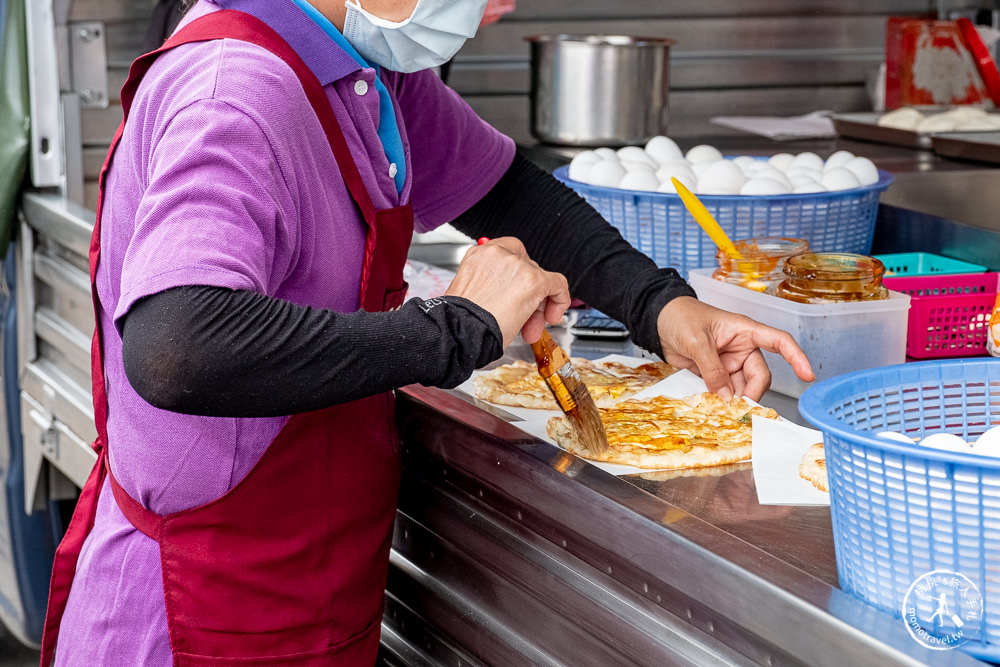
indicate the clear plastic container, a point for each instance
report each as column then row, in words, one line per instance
column 832, row 277
column 761, row 262
column 827, row 332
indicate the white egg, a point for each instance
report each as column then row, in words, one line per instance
column 808, row 160
column 838, row 159
column 802, row 179
column 774, row 174
column 809, row 188
column 721, row 178
column 607, row 153
column 763, row 187
column 699, row 167
column 895, row 435
column 607, row 173
column 703, row 153
column 902, row 119
column 840, row 179
column 781, row 161
column 681, row 171
column 677, row 164
column 864, row 169
column 587, row 156
column 640, row 180
column 638, row 166
column 636, row 154
column 804, row 171
column 948, row 442
column 580, row 172
column 988, row 444
column 663, row 149
column 668, row 186
column 581, row 165
column 745, row 162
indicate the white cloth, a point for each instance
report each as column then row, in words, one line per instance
column 816, row 124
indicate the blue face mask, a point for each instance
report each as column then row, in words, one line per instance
column 434, row 33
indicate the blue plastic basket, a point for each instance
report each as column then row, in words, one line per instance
column 904, row 264
column 900, row 511
column 658, row 224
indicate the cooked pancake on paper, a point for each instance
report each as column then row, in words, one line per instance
column 813, row 467
column 659, row 432
column 518, row 384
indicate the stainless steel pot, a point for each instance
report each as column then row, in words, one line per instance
column 598, row 90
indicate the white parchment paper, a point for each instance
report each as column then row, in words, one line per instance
column 778, row 447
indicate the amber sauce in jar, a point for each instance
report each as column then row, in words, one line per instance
column 832, row 276
column 761, row 260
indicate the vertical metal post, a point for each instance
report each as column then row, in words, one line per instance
column 73, row 146
column 26, row 347
column 43, row 85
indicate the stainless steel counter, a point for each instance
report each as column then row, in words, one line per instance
column 510, row 551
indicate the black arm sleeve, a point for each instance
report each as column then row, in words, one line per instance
column 224, row 353
column 564, row 233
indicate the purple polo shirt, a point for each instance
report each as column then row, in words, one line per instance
column 224, row 177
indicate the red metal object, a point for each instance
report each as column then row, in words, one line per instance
column 981, row 56
column 930, row 63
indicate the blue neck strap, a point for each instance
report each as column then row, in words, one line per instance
column 388, row 130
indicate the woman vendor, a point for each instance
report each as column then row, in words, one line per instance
column 256, row 209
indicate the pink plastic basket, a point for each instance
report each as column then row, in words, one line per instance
column 949, row 314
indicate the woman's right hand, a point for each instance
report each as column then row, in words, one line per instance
column 499, row 277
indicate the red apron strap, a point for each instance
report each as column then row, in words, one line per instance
column 66, row 557
column 233, row 24
column 145, row 521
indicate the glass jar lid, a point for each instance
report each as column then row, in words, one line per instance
column 824, row 266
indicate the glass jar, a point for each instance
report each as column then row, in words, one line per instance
column 832, row 276
column 760, row 265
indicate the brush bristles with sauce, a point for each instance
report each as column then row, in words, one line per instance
column 570, row 393
column 568, row 389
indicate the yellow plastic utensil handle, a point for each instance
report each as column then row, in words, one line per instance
column 705, row 220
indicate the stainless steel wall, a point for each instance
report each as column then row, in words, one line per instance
column 125, row 23
column 732, row 56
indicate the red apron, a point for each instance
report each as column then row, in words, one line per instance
column 290, row 565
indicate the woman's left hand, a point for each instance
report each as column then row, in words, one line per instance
column 724, row 348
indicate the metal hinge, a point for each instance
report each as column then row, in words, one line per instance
column 89, row 63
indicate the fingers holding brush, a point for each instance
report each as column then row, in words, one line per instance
column 500, row 277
